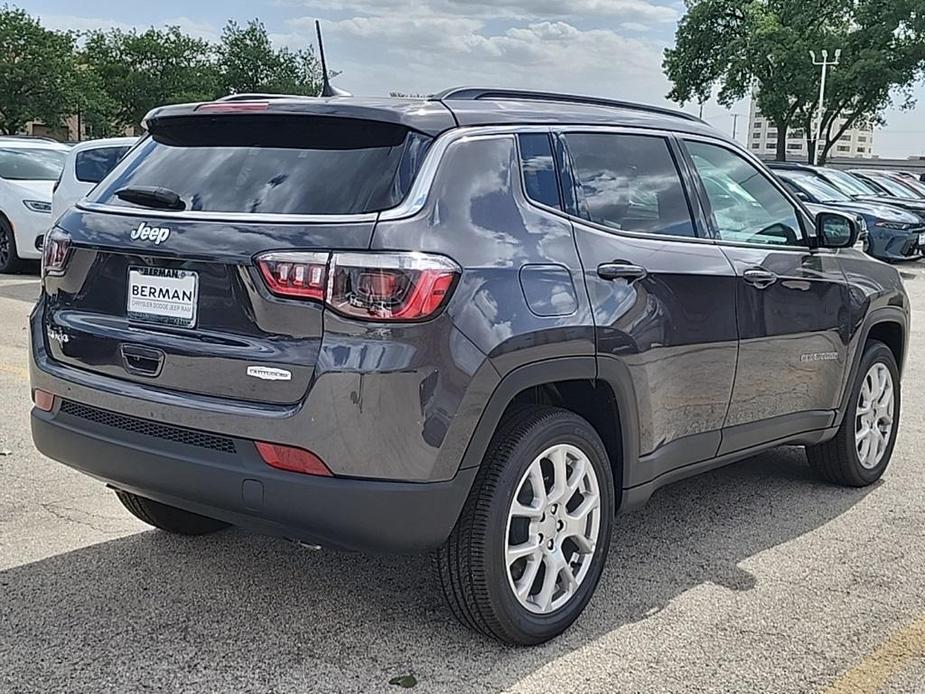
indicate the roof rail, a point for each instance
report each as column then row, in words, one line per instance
column 43, row 138
column 261, row 97
column 478, row 93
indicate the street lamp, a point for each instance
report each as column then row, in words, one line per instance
column 825, row 63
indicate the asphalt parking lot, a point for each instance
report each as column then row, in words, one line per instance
column 754, row 578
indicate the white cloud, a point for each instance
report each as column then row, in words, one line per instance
column 626, row 10
column 61, row 22
column 427, row 53
column 198, row 29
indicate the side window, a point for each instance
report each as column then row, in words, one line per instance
column 539, row 169
column 630, row 183
column 746, row 207
column 92, row 165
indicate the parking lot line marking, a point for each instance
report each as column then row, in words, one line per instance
column 15, row 370
column 893, row 655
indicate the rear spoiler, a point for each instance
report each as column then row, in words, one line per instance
column 428, row 117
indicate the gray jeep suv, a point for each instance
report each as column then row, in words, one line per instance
column 479, row 324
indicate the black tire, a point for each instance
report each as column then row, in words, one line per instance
column 470, row 566
column 838, row 460
column 9, row 257
column 164, row 517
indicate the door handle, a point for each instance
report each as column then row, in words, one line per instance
column 759, row 278
column 619, row 270
column 144, row 361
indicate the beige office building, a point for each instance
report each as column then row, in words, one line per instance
column 857, row 142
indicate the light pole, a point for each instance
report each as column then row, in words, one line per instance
column 825, row 63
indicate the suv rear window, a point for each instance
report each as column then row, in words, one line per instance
column 92, row 165
column 274, row 164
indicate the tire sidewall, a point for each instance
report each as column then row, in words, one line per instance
column 876, row 352
column 567, row 429
column 12, row 262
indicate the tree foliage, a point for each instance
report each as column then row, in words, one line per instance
column 741, row 46
column 112, row 78
column 139, row 71
column 38, row 72
column 249, row 63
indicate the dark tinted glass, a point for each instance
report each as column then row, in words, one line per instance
column 92, row 165
column 539, row 169
column 630, row 182
column 275, row 164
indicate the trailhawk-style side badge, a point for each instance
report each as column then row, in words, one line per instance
column 146, row 232
column 268, row 373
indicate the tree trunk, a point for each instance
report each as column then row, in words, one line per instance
column 781, row 154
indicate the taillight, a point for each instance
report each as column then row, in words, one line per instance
column 366, row 286
column 299, row 275
column 389, row 286
column 55, row 251
column 292, row 459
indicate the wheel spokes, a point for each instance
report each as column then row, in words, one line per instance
column 874, row 415
column 549, row 548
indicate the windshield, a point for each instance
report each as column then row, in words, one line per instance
column 819, row 189
column 273, row 164
column 31, row 163
column 894, row 187
column 915, row 185
column 846, row 183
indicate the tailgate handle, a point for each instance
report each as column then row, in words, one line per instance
column 141, row 360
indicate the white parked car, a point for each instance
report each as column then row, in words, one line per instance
column 29, row 168
column 86, row 165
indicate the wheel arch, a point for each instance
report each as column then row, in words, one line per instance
column 889, row 325
column 602, row 396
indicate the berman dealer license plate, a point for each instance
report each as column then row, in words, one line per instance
column 163, row 295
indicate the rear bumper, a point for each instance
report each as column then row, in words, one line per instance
column 227, row 480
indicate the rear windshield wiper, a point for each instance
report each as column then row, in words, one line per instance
column 151, row 196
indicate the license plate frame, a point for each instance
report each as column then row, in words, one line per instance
column 163, row 296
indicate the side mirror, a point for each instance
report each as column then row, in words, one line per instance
column 834, row 230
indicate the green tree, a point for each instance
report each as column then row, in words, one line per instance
column 762, row 47
column 249, row 63
column 139, row 71
column 38, row 75
column 883, row 56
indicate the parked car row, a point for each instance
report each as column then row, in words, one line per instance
column 890, row 204
column 39, row 179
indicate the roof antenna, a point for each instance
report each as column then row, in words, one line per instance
column 327, row 89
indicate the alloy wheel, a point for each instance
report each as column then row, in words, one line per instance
column 874, row 418
column 552, row 529
column 6, row 247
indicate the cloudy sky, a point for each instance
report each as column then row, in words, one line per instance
column 601, row 47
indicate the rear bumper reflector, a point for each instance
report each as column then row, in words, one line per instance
column 292, row 459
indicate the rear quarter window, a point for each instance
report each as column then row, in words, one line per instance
column 539, row 169
column 274, row 164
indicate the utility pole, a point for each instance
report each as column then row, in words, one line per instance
column 825, row 64
column 735, row 124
